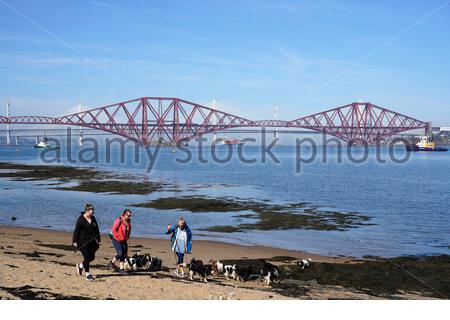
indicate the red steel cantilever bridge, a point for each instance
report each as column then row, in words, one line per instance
column 148, row 120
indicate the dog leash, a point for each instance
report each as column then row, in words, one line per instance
column 79, row 247
column 175, row 248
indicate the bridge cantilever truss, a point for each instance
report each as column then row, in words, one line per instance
column 151, row 119
column 360, row 122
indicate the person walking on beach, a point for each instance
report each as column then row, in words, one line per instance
column 181, row 238
column 120, row 234
column 86, row 238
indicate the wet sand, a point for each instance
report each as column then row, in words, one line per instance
column 38, row 264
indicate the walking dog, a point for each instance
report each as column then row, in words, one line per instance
column 197, row 267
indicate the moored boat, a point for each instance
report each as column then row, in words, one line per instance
column 43, row 144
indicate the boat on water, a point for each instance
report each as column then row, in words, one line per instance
column 425, row 145
column 233, row 141
column 43, row 144
column 227, row 141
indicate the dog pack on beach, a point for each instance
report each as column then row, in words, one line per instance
column 86, row 239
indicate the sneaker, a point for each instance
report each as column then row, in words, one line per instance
column 89, row 277
column 122, row 272
column 79, row 270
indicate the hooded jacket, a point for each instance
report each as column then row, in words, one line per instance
column 86, row 232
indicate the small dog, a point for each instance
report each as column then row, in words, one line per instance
column 304, row 264
column 197, row 267
column 217, row 266
column 134, row 262
column 143, row 262
column 230, row 271
column 155, row 264
column 269, row 273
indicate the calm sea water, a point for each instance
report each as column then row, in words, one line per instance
column 408, row 202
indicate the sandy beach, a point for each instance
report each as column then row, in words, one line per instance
column 38, row 264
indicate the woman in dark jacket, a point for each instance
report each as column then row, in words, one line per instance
column 86, row 238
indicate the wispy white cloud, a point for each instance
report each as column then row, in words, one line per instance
column 41, row 61
column 297, row 8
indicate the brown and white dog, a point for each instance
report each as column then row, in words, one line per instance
column 217, row 267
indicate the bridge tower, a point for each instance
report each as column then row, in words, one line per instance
column 80, row 139
column 160, row 114
column 214, row 121
column 8, row 127
column 275, row 117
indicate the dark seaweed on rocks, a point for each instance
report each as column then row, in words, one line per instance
column 117, row 187
column 267, row 216
column 88, row 179
column 429, row 276
column 21, row 172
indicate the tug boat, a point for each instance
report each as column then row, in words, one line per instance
column 424, row 145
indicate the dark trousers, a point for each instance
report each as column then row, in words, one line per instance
column 88, row 251
column 180, row 257
column 121, row 249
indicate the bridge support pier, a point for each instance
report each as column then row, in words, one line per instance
column 429, row 129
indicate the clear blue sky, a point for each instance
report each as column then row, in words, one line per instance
column 305, row 56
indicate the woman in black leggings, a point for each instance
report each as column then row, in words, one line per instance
column 86, row 238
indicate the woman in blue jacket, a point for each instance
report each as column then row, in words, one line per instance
column 181, row 238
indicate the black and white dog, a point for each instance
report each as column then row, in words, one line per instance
column 143, row 262
column 155, row 264
column 304, row 264
column 269, row 273
column 197, row 267
column 137, row 261
column 238, row 272
column 229, row 271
